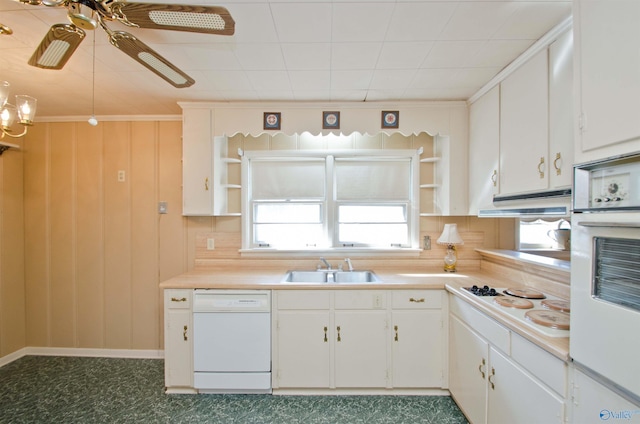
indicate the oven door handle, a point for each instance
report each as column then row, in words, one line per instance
column 610, row 224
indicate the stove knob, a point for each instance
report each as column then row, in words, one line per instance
column 474, row 288
column 492, row 292
column 485, row 288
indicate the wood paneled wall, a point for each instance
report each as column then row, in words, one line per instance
column 96, row 247
column 12, row 290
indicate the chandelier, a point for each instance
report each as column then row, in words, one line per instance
column 22, row 112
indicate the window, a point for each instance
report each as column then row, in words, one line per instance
column 540, row 234
column 330, row 200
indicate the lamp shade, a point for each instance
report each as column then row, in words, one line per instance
column 450, row 235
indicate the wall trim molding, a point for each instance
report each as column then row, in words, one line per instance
column 82, row 352
column 105, row 118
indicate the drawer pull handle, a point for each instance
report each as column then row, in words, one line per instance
column 481, row 368
column 395, row 328
column 184, row 333
column 557, row 160
column 493, row 373
column 325, row 335
column 541, row 167
column 178, row 299
column 494, row 177
column 206, row 184
column 339, row 338
column 421, row 300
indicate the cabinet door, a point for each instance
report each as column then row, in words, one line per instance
column 524, row 127
column 197, row 162
column 516, row 397
column 360, row 348
column 468, row 366
column 484, row 150
column 417, row 348
column 561, row 140
column 304, row 340
column 608, row 40
column 178, row 351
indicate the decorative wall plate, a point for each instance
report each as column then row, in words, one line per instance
column 331, row 120
column 390, row 119
column 272, row 121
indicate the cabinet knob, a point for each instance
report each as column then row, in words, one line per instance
column 557, row 164
column 494, row 177
column 325, row 335
column 206, row 184
column 395, row 328
column 184, row 333
column 541, row 167
column 339, row 338
column 421, row 300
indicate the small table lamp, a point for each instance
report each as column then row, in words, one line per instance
column 450, row 237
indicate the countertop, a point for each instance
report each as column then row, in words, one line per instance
column 270, row 279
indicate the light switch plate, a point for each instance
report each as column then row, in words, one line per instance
column 210, row 244
column 163, row 207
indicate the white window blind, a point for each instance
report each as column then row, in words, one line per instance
column 330, row 200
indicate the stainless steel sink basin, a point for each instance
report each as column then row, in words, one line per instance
column 330, row 276
column 356, row 277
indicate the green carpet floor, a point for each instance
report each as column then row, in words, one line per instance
column 49, row 389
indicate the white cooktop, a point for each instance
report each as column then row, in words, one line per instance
column 519, row 314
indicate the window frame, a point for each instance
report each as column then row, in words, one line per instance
column 330, row 203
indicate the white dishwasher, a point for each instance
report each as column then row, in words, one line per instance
column 232, row 341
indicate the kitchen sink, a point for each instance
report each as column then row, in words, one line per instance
column 330, row 276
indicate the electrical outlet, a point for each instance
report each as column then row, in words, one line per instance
column 427, row 243
column 121, row 176
column 210, row 244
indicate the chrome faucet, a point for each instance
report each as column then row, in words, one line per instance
column 348, row 261
column 324, row 261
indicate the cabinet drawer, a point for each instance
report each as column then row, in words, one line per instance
column 416, row 299
column 495, row 333
column 303, row 299
column 360, row 299
column 177, row 299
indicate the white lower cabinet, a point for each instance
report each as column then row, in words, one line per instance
column 361, row 349
column 356, row 339
column 494, row 384
column 178, row 341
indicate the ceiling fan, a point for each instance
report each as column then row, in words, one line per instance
column 62, row 40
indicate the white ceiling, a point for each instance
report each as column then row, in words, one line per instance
column 286, row 50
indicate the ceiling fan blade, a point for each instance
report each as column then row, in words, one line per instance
column 146, row 56
column 176, row 17
column 57, row 46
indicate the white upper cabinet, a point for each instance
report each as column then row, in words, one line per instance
column 607, row 35
column 484, row 150
column 561, row 139
column 197, row 162
column 524, row 127
column 521, row 131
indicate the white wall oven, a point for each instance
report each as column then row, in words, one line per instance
column 605, row 272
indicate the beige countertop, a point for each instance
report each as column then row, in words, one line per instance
column 270, row 279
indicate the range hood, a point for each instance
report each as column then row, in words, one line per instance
column 555, row 203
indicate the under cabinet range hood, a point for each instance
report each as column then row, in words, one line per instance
column 556, row 203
